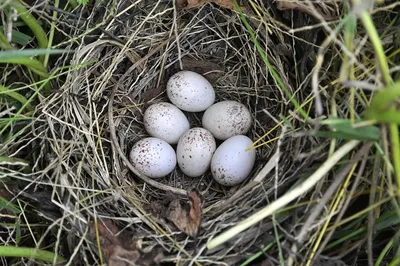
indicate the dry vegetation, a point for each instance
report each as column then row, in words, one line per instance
column 69, row 189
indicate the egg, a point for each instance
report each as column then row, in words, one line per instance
column 231, row 163
column 190, row 91
column 194, row 151
column 153, row 157
column 226, row 119
column 165, row 121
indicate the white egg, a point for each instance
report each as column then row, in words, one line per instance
column 165, row 121
column 190, row 91
column 226, row 119
column 231, row 163
column 153, row 157
column 195, row 150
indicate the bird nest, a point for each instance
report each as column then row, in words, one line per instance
column 93, row 118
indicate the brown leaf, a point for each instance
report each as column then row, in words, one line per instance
column 226, row 4
column 121, row 249
column 284, row 4
column 188, row 4
column 210, row 70
column 187, row 216
column 180, row 4
column 122, row 257
column 152, row 93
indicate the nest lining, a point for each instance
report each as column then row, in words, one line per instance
column 212, row 42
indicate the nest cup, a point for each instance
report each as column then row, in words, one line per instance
column 131, row 75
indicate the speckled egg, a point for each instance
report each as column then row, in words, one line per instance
column 231, row 163
column 194, row 151
column 153, row 157
column 165, row 121
column 190, row 91
column 226, row 119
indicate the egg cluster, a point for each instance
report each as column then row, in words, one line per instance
column 196, row 150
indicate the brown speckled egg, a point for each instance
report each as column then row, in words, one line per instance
column 165, row 121
column 190, row 91
column 226, row 119
column 231, row 163
column 194, row 151
column 153, row 157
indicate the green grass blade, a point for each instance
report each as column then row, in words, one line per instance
column 32, row 23
column 34, row 65
column 384, row 99
column 268, row 64
column 395, row 262
column 258, row 254
column 386, row 117
column 16, row 96
column 4, row 42
column 12, row 160
column 5, row 204
column 345, row 136
column 10, row 251
column 14, row 54
column 386, row 221
column 376, row 42
column 37, row 91
column 17, row 37
column 345, row 129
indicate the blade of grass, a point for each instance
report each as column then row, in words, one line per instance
column 347, row 69
column 18, row 38
column 22, row 57
column 269, row 65
column 287, row 198
column 386, row 221
column 51, row 35
column 395, row 262
column 13, row 160
column 384, row 69
column 16, row 96
column 32, row 23
column 74, row 4
column 370, row 134
column 47, row 256
column 386, row 249
column 258, row 254
column 34, row 65
column 20, row 110
column 5, row 204
column 15, row 54
column 384, row 99
column 353, row 129
column 4, row 42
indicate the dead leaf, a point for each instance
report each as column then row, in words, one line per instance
column 186, row 216
column 121, row 249
column 188, row 4
column 152, row 93
column 210, row 70
column 180, row 4
column 284, row 4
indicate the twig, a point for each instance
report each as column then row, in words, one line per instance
column 287, row 198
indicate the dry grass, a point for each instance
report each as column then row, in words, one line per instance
column 125, row 51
